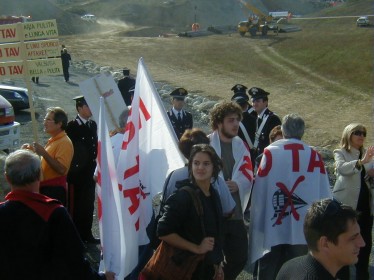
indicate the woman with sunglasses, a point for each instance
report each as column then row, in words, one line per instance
column 354, row 171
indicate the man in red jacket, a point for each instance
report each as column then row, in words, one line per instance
column 39, row 240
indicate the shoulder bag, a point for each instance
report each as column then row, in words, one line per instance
column 170, row 263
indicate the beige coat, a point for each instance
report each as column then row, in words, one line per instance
column 348, row 177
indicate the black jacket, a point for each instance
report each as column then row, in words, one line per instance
column 84, row 140
column 124, row 85
column 272, row 121
column 180, row 216
column 39, row 241
column 180, row 127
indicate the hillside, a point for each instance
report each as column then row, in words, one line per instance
column 181, row 13
column 68, row 23
column 169, row 14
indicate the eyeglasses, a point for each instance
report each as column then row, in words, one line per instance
column 359, row 133
column 48, row 120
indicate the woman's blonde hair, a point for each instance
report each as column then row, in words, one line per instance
column 345, row 141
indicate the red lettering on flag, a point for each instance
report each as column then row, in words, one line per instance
column 130, row 128
column 133, row 195
column 132, row 170
column 316, row 161
column 137, row 224
column 262, row 172
column 246, row 168
column 144, row 110
column 295, row 148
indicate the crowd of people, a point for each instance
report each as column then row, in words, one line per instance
column 251, row 162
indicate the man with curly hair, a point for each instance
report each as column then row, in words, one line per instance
column 238, row 174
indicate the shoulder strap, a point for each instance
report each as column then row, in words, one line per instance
column 198, row 205
column 163, row 199
column 258, row 132
column 246, row 136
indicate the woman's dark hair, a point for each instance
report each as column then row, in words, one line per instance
column 192, row 137
column 209, row 150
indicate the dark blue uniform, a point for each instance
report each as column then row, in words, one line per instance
column 180, row 126
column 80, row 175
column 124, row 85
column 272, row 121
column 249, row 123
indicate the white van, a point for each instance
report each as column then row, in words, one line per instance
column 89, row 17
column 9, row 128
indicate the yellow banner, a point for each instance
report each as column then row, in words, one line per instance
column 34, row 30
column 33, row 50
column 37, row 67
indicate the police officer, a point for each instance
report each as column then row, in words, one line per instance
column 266, row 120
column 125, row 84
column 83, row 133
column 248, row 124
column 180, row 119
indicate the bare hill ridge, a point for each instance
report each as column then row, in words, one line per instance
column 171, row 14
column 68, row 23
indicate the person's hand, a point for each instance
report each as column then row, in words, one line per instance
column 206, row 245
column 370, row 172
column 27, row 146
column 218, row 272
column 39, row 149
column 368, row 155
column 233, row 186
column 109, row 275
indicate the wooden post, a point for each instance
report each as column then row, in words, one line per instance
column 27, row 78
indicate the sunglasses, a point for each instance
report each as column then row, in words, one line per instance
column 359, row 133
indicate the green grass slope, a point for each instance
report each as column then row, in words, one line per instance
column 336, row 47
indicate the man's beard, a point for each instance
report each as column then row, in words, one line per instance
column 227, row 134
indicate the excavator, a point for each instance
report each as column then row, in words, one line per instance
column 258, row 22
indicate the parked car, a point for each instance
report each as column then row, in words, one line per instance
column 9, row 128
column 363, row 21
column 89, row 17
column 17, row 96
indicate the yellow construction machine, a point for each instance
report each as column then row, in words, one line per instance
column 257, row 22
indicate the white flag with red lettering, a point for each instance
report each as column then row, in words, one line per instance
column 149, row 152
column 291, row 176
column 109, row 206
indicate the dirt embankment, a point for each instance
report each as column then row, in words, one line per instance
column 201, row 65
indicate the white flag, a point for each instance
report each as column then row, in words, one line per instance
column 109, row 208
column 291, row 176
column 149, row 152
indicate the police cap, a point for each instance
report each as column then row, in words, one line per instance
column 238, row 88
column 257, row 93
column 240, row 98
column 179, row 93
column 80, row 101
